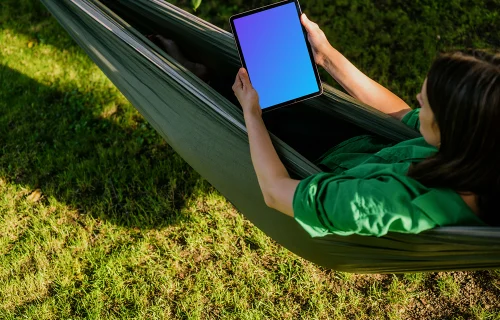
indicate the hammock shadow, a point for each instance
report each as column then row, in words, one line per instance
column 77, row 152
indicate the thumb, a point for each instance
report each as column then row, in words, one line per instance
column 306, row 22
column 244, row 78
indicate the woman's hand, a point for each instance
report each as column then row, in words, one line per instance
column 319, row 43
column 246, row 94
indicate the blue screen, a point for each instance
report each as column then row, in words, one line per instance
column 276, row 56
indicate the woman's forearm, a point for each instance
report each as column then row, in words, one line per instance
column 276, row 185
column 275, row 182
column 266, row 161
column 361, row 87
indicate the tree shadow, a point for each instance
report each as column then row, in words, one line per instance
column 91, row 153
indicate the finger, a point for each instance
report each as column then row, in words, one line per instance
column 303, row 18
column 238, row 85
column 308, row 24
column 305, row 22
column 245, row 80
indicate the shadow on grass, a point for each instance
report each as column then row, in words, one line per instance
column 91, row 154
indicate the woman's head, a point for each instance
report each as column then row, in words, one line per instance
column 460, row 115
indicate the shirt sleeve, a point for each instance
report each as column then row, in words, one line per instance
column 326, row 204
column 411, row 119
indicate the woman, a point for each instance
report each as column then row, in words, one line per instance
column 450, row 176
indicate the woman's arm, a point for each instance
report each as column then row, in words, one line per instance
column 275, row 182
column 355, row 82
column 361, row 87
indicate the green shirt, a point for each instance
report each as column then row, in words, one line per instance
column 368, row 191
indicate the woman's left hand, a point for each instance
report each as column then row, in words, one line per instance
column 246, row 94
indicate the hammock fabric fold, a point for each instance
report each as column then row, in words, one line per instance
column 208, row 132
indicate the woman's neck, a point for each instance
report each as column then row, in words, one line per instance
column 470, row 199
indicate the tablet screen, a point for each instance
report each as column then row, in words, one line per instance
column 273, row 46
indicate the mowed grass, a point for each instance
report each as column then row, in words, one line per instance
column 101, row 219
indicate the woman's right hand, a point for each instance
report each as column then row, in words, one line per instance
column 317, row 39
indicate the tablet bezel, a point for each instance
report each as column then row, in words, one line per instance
column 309, row 49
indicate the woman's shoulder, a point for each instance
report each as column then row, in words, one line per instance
column 374, row 199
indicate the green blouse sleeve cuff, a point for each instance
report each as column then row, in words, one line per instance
column 315, row 206
column 411, row 119
column 303, row 198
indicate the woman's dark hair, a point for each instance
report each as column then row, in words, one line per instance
column 463, row 90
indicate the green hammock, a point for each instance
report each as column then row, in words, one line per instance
column 208, row 131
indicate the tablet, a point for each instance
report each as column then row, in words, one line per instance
column 273, row 47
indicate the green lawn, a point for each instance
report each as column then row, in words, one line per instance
column 101, row 219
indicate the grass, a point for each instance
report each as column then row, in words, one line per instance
column 100, row 219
